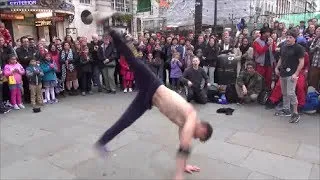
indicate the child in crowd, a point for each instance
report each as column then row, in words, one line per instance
column 127, row 75
column 175, row 72
column 188, row 58
column 49, row 79
column 14, row 71
column 86, row 71
column 35, row 74
column 5, row 33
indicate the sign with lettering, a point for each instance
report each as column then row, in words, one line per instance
column 58, row 18
column 22, row 2
column 43, row 23
column 11, row 16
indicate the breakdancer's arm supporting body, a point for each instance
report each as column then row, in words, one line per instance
column 172, row 105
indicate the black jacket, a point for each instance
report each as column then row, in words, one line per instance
column 5, row 53
column 107, row 53
column 211, row 56
column 25, row 55
column 94, row 53
column 86, row 64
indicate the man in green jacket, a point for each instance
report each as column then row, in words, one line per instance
column 249, row 84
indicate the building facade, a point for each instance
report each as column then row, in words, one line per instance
column 303, row 6
column 37, row 18
column 181, row 12
column 153, row 20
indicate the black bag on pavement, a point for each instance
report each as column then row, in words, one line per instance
column 264, row 96
column 226, row 70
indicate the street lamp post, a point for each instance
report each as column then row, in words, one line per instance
column 198, row 17
column 215, row 14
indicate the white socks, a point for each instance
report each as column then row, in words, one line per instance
column 50, row 91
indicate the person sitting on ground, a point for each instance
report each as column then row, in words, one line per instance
column 193, row 78
column 249, row 84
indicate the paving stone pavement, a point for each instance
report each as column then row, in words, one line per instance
column 250, row 144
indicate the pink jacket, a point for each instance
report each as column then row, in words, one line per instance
column 8, row 71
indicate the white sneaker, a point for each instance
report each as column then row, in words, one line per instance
column 130, row 89
column 16, row 107
column 125, row 90
column 21, row 106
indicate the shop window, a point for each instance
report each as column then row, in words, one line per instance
column 85, row 1
column 121, row 5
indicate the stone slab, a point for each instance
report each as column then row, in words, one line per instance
column 123, row 139
column 32, row 168
column 137, row 154
column 277, row 166
column 47, row 145
column 308, row 153
column 215, row 169
column 241, row 124
column 227, row 152
column 20, row 134
column 315, row 172
column 256, row 176
column 307, row 131
column 11, row 155
column 222, row 134
column 79, row 130
column 265, row 143
column 71, row 156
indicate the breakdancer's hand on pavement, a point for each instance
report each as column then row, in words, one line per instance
column 190, row 169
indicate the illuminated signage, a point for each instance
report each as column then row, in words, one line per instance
column 22, row 2
column 43, row 23
column 11, row 16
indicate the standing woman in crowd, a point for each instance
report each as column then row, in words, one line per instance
column 41, row 52
column 14, row 71
column 69, row 72
column 158, row 57
column 283, row 37
column 210, row 58
column 86, row 71
column 315, row 64
column 246, row 51
column 69, row 40
column 55, row 56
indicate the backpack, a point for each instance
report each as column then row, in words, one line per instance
column 263, row 96
column 312, row 102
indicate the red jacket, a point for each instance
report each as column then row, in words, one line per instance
column 261, row 50
column 306, row 62
column 6, row 35
column 124, row 67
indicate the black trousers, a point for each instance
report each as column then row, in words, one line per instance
column 1, row 93
column 197, row 94
column 147, row 84
column 86, row 84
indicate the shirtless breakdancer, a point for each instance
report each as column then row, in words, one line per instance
column 153, row 92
